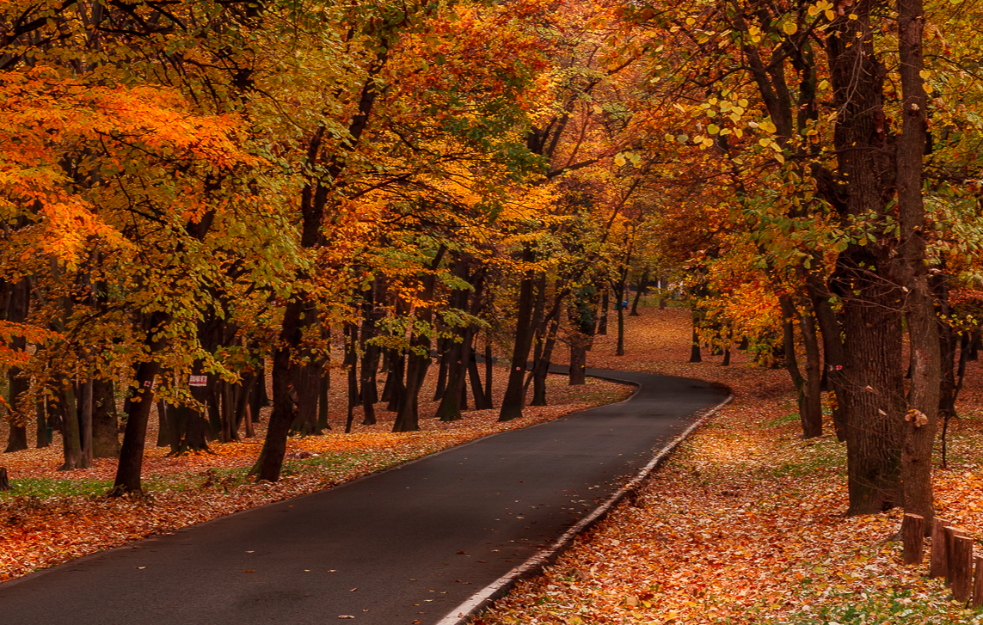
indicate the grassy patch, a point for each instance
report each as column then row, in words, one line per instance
column 894, row 606
column 792, row 417
column 818, row 455
column 45, row 487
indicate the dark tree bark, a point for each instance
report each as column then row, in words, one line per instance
column 70, row 435
column 583, row 324
column 461, row 353
column 694, row 354
column 18, row 307
column 806, row 386
column 921, row 418
column 85, row 422
column 418, row 359
column 351, row 364
column 602, row 324
column 370, row 351
column 542, row 368
column 514, row 398
column 489, row 371
column 642, row 289
column 41, row 431
column 313, row 204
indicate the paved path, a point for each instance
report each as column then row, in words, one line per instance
column 405, row 546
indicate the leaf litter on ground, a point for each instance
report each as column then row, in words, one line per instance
column 746, row 522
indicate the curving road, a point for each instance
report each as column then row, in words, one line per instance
column 420, row 543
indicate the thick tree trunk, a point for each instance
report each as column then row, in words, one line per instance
column 70, row 435
column 274, row 450
column 874, row 401
column 578, row 360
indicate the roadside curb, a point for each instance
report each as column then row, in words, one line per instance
column 534, row 565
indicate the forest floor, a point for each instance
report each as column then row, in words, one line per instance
column 52, row 516
column 745, row 523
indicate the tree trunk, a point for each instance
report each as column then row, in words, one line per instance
column 514, row 398
column 602, row 324
column 489, row 371
column 642, row 286
column 418, row 358
column 874, row 402
column 41, row 431
column 18, row 307
column 542, row 368
column 85, row 423
column 351, row 362
column 694, row 354
column 70, row 436
column 274, row 450
column 923, row 399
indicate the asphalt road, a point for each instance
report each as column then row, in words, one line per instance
column 400, row 547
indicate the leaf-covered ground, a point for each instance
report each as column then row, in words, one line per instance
column 745, row 523
column 51, row 516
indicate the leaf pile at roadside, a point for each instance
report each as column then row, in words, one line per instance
column 745, row 523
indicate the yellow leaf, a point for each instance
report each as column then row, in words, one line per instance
column 830, row 15
column 790, row 28
column 768, row 126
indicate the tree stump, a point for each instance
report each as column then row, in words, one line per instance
column 4, row 480
column 912, row 534
column 938, row 563
column 961, row 568
column 951, row 534
column 978, row 583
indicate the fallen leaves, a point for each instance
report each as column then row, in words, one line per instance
column 745, row 523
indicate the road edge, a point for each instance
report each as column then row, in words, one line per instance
column 500, row 587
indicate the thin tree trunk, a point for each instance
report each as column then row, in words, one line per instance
column 642, row 285
column 514, row 398
column 85, row 424
column 489, row 371
column 602, row 324
column 923, row 401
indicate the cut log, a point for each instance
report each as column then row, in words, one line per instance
column 4, row 480
column 961, row 568
column 912, row 533
column 951, row 534
column 978, row 583
column 938, row 563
